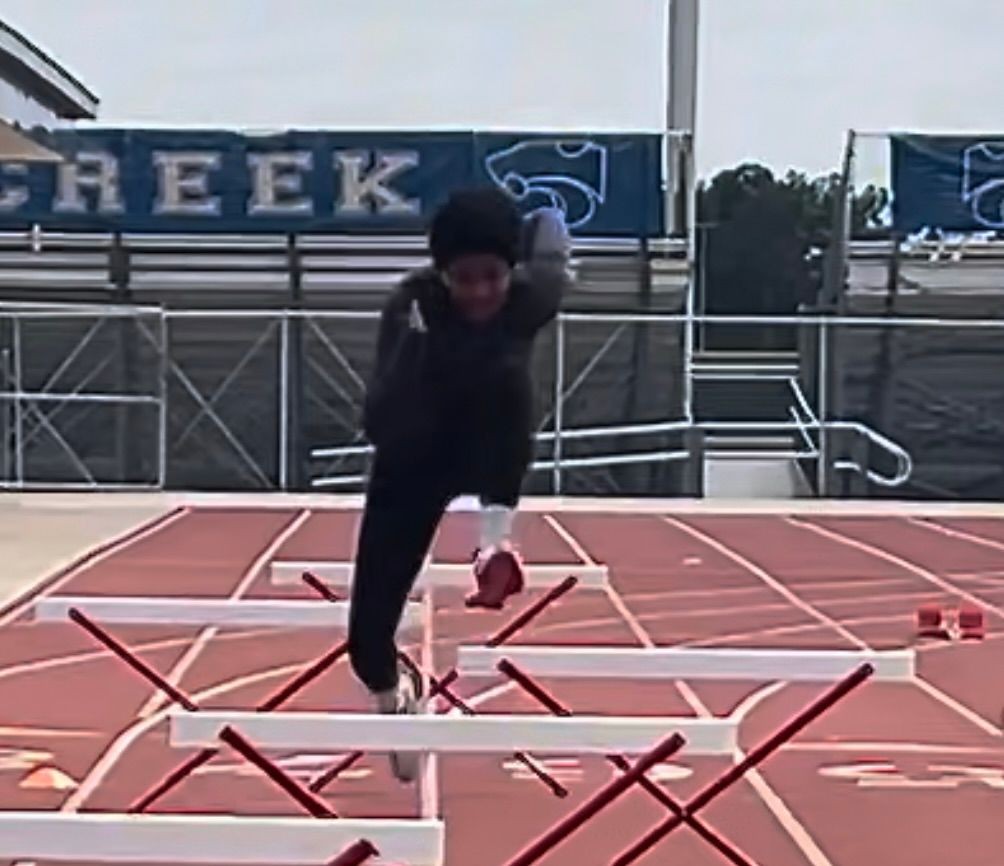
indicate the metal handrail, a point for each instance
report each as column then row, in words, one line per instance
column 904, row 462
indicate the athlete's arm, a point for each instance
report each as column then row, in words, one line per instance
column 544, row 267
column 399, row 353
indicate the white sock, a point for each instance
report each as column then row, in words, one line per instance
column 496, row 525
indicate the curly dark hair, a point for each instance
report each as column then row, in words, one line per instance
column 476, row 221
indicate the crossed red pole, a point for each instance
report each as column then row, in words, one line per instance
column 299, row 681
column 535, row 690
column 686, row 813
column 302, row 795
column 355, row 855
column 441, row 686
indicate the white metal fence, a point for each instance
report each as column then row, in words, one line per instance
column 102, row 397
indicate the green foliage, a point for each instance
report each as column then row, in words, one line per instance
column 761, row 238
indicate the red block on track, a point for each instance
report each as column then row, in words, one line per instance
column 972, row 624
column 931, row 622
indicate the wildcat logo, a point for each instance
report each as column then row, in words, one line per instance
column 568, row 175
column 983, row 182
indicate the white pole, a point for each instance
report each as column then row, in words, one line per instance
column 682, row 21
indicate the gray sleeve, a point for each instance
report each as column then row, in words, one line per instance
column 544, row 267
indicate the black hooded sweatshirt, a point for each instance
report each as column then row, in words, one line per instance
column 435, row 369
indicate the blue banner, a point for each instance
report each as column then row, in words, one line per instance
column 952, row 183
column 149, row 180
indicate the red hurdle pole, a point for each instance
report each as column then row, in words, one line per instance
column 532, row 611
column 299, row 681
column 134, row 661
column 602, row 798
column 312, row 803
column 526, row 760
column 726, row 849
column 734, row 773
column 355, row 855
column 441, row 686
column 272, row 702
column 318, row 585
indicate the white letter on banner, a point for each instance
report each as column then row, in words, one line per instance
column 361, row 191
column 277, row 183
column 12, row 195
column 183, row 183
column 90, row 170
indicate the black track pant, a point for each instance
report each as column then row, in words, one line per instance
column 483, row 452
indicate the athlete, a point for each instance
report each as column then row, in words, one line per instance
column 449, row 411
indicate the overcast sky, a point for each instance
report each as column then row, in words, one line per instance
column 780, row 80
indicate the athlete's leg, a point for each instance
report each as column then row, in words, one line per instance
column 505, row 449
column 404, row 504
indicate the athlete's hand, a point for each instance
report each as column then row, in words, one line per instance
column 546, row 239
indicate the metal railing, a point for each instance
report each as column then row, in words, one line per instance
column 40, row 404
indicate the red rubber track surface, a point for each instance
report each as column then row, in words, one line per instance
column 905, row 773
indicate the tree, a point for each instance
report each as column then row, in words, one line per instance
column 761, row 240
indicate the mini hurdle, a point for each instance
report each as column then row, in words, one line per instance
column 138, row 610
column 795, row 665
column 444, row 574
column 580, row 735
column 240, row 841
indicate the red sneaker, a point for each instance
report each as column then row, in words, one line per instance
column 499, row 574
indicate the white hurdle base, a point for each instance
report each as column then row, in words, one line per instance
column 444, row 574
column 578, row 735
column 207, row 611
column 240, row 841
column 794, row 665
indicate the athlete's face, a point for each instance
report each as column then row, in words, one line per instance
column 479, row 285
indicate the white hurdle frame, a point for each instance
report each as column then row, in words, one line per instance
column 239, row 841
column 222, row 612
column 671, row 663
column 502, row 733
column 444, row 574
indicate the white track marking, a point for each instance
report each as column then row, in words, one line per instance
column 737, row 591
column 105, row 763
column 754, row 699
column 689, row 696
column 892, row 748
column 950, row 532
column 801, row 628
column 960, row 708
column 182, row 666
column 98, row 655
column 792, row 826
column 770, row 798
column 799, row 835
column 877, row 552
column 928, row 575
column 767, row 578
column 642, row 636
column 118, row 543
